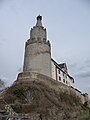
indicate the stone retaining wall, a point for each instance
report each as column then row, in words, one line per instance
column 27, row 77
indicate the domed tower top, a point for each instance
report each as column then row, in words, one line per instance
column 39, row 17
column 38, row 33
column 39, row 21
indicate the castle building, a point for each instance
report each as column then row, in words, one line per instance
column 60, row 73
column 38, row 56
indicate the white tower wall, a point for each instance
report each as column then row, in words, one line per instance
column 38, row 51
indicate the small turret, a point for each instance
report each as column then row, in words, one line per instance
column 39, row 17
column 39, row 21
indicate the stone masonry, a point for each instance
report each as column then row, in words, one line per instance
column 38, row 51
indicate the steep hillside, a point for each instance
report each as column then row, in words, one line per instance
column 42, row 102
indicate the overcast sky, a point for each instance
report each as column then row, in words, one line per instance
column 68, row 26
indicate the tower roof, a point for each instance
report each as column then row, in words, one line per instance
column 39, row 17
column 39, row 20
column 62, row 65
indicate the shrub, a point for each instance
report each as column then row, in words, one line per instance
column 9, row 98
column 18, row 91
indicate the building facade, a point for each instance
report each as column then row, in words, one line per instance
column 60, row 73
column 38, row 56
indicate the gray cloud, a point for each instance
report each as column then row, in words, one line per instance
column 85, row 65
column 83, row 74
column 72, row 65
column 20, row 69
column 2, row 40
column 5, row 80
column 88, row 86
column 2, row 2
column 81, row 69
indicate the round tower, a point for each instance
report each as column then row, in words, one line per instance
column 38, row 51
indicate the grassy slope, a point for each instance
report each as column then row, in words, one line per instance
column 39, row 98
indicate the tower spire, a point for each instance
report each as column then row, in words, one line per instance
column 39, row 20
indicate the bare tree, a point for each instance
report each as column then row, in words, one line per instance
column 2, row 84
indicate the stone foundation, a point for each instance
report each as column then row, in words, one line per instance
column 27, row 77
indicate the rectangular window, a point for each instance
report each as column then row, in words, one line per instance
column 64, row 80
column 63, row 73
column 59, row 78
column 66, row 76
column 58, row 71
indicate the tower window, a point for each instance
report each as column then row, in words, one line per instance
column 59, row 78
